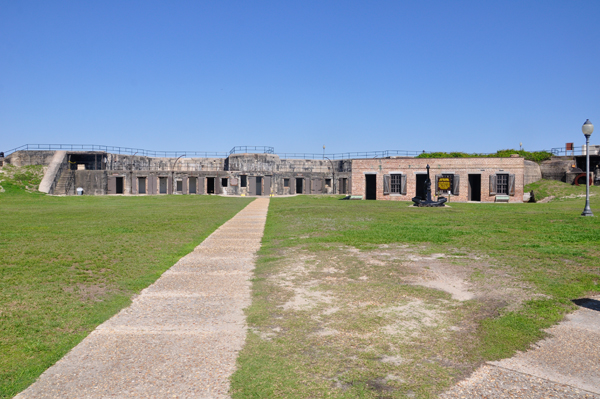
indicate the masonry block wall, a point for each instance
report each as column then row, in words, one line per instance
column 479, row 168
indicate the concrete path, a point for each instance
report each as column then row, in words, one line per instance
column 180, row 337
column 565, row 365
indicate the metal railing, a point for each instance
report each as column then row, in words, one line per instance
column 560, row 151
column 576, row 151
column 116, row 150
column 351, row 155
column 245, row 149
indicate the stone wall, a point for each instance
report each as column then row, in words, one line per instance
column 533, row 172
column 23, row 158
column 556, row 168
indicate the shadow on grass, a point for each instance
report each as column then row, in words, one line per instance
column 588, row 303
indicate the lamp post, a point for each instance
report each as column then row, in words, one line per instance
column 587, row 130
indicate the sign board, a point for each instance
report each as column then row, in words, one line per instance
column 444, row 184
column 233, row 181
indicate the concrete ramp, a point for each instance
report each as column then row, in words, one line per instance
column 53, row 169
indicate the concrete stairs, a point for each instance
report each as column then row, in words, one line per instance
column 53, row 169
column 65, row 184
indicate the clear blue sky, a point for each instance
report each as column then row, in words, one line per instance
column 475, row 76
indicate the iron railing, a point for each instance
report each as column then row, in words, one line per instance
column 247, row 149
column 576, row 151
column 350, row 155
column 116, row 150
column 560, row 151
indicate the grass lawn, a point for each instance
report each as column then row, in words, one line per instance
column 69, row 263
column 381, row 300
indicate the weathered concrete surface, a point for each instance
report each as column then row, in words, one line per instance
column 564, row 365
column 532, row 172
column 53, row 168
column 180, row 337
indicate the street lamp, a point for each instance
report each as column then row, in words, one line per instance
column 587, row 130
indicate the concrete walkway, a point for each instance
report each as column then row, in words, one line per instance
column 564, row 365
column 180, row 337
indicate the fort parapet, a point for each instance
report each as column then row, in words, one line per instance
column 381, row 175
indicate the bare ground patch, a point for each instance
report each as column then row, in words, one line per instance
column 390, row 322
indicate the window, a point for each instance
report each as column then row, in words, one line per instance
column 243, row 181
column 286, row 182
column 224, row 182
column 502, row 184
column 396, row 184
column 179, row 185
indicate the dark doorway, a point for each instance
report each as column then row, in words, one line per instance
column 141, row 185
column 119, row 185
column 371, row 186
column 343, row 186
column 258, row 185
column 421, row 179
column 162, row 185
column 474, row 187
column 193, row 181
column 210, row 185
column 299, row 183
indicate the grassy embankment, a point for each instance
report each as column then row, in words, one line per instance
column 69, row 263
column 338, row 310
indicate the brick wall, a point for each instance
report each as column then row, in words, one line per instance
column 462, row 167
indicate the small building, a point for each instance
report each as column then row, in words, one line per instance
column 459, row 179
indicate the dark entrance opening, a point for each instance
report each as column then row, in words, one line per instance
column 421, row 179
column 119, row 185
column 474, row 187
column 193, row 181
column 162, row 185
column 141, row 185
column 371, row 186
column 93, row 161
column 210, row 185
column 258, row 185
column 299, row 182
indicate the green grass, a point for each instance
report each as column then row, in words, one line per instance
column 69, row 263
column 548, row 247
column 561, row 191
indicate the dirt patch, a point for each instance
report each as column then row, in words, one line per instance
column 93, row 292
column 389, row 319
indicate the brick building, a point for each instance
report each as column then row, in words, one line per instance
column 466, row 179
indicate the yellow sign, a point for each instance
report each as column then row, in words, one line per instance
column 444, row 183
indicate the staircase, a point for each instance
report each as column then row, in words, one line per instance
column 66, row 183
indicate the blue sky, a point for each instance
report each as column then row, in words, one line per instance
column 475, row 76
